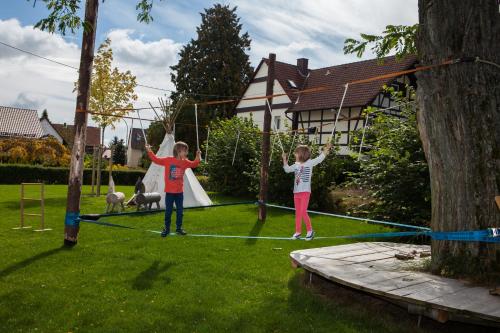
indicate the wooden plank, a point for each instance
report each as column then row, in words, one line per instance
column 332, row 249
column 371, row 267
column 473, row 299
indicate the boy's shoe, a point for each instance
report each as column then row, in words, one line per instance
column 164, row 233
column 310, row 235
column 296, row 236
column 181, row 232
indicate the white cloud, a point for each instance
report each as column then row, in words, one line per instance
column 317, row 29
column 292, row 29
column 35, row 83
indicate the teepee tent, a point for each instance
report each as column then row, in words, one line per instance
column 194, row 194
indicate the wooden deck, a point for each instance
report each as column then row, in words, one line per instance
column 372, row 267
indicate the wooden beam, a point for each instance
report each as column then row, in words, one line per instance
column 266, row 140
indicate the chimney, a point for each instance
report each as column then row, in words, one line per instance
column 302, row 65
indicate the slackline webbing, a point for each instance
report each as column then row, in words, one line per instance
column 395, row 224
column 491, row 235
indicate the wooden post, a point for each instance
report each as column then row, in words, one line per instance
column 94, row 157
column 22, row 206
column 71, row 222
column 42, row 205
column 110, row 164
column 266, row 138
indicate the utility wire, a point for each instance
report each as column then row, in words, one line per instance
column 73, row 67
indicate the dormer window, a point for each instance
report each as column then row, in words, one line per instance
column 292, row 84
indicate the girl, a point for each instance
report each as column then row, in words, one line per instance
column 302, row 168
column 174, row 182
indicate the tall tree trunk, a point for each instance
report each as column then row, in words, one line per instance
column 99, row 162
column 71, row 223
column 459, row 123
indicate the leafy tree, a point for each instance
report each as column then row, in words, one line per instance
column 63, row 15
column 398, row 38
column 214, row 64
column 394, row 169
column 112, row 93
column 119, row 151
column 47, row 151
column 459, row 124
column 224, row 176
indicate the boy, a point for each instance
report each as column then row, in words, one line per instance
column 174, row 182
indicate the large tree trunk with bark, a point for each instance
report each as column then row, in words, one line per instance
column 459, row 123
column 71, row 223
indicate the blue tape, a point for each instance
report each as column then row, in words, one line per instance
column 72, row 219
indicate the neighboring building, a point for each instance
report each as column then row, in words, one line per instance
column 20, row 123
column 135, row 148
column 315, row 112
column 67, row 133
column 48, row 128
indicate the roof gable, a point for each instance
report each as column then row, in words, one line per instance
column 335, row 77
column 18, row 122
column 68, row 135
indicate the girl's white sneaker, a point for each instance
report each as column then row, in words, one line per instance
column 310, row 235
column 296, row 236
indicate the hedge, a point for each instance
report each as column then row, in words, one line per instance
column 23, row 173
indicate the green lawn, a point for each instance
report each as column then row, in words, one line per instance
column 122, row 280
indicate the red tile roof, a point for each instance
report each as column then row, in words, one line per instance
column 68, row 135
column 334, row 78
column 16, row 122
column 284, row 72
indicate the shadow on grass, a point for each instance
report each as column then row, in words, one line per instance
column 22, row 264
column 254, row 232
column 146, row 278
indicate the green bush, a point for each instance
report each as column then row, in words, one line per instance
column 225, row 177
column 395, row 170
column 243, row 178
column 333, row 170
column 22, row 173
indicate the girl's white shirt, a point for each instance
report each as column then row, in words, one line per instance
column 303, row 173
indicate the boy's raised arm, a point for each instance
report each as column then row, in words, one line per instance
column 153, row 157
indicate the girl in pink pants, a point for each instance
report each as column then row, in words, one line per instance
column 303, row 168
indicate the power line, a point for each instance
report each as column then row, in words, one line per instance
column 76, row 68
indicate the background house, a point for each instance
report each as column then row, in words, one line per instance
column 315, row 112
column 21, row 123
column 48, row 128
column 67, row 133
column 135, row 147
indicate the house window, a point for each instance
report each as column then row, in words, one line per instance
column 277, row 122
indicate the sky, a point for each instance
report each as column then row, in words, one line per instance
column 314, row 29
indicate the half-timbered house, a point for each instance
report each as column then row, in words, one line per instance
column 314, row 112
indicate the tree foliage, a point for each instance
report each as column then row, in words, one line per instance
column 46, row 152
column 119, row 151
column 215, row 64
column 398, row 38
column 224, row 176
column 112, row 91
column 63, row 15
column 243, row 177
column 395, row 170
